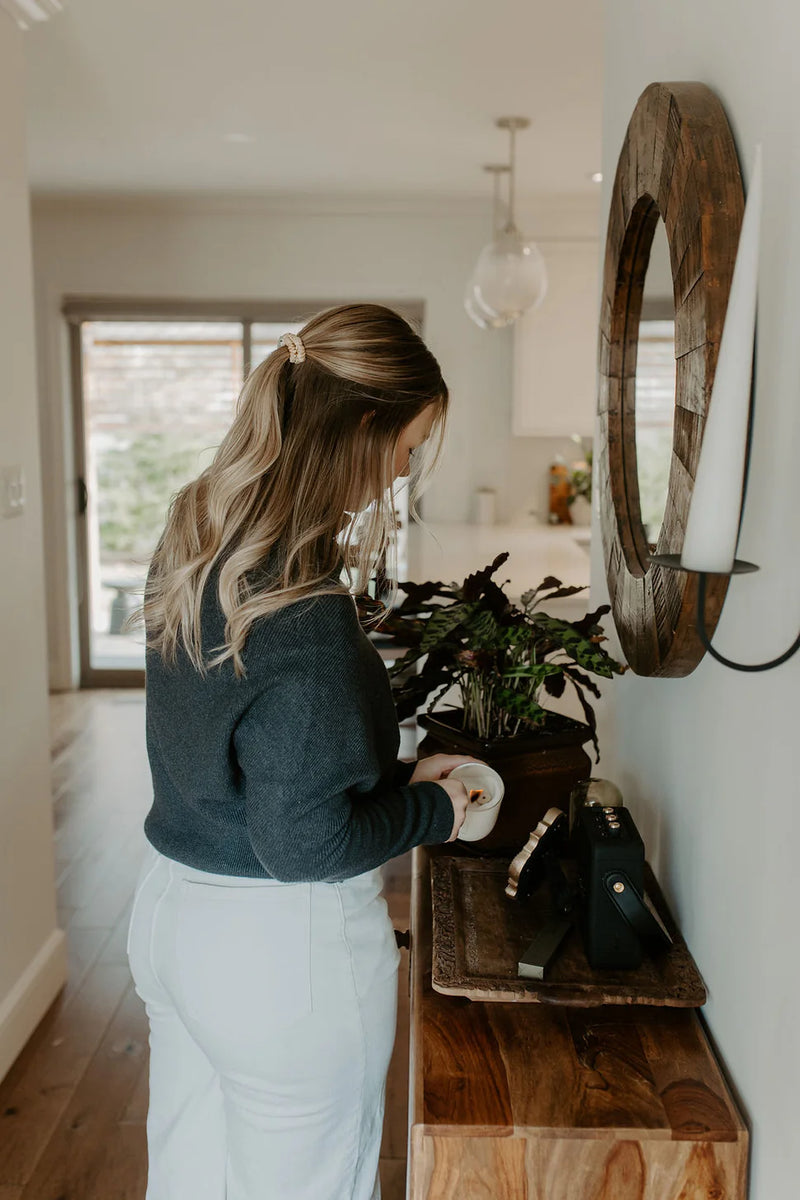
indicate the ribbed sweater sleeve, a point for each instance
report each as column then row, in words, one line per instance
column 321, row 800
column 403, row 772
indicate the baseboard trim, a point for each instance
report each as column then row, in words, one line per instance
column 23, row 1007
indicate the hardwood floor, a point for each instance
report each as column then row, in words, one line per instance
column 73, row 1105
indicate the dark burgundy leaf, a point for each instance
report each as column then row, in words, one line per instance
column 591, row 721
column 474, row 584
column 565, row 591
column 554, row 685
column 586, row 681
column 587, row 623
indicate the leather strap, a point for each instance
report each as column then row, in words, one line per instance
column 631, row 905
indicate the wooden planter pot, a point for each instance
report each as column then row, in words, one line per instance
column 539, row 770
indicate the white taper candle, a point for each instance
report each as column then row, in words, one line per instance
column 712, row 528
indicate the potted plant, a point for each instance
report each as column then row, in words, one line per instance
column 506, row 661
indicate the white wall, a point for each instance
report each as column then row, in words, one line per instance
column 708, row 763
column 32, row 959
column 334, row 250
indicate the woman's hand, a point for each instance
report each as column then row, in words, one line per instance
column 435, row 769
column 439, row 766
column 459, row 798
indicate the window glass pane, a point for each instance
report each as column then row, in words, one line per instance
column 158, row 398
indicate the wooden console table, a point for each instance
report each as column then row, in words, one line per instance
column 542, row 1102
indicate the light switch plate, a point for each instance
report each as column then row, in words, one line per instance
column 12, row 491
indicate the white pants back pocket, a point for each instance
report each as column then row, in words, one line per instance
column 242, row 953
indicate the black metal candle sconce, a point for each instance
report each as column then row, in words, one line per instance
column 672, row 562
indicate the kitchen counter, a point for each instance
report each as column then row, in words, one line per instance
column 451, row 550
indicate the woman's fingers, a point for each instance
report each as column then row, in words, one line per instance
column 439, row 766
column 459, row 800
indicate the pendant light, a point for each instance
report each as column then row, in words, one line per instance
column 472, row 303
column 510, row 276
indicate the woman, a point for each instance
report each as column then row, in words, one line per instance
column 259, row 939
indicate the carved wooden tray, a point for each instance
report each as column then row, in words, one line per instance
column 479, row 935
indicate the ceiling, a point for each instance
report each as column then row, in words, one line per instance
column 366, row 97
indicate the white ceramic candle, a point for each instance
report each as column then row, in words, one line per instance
column 712, row 529
column 481, row 816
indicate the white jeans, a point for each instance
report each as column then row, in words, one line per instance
column 272, row 1010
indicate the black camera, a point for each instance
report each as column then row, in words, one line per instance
column 616, row 922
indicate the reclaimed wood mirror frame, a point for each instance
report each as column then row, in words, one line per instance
column 678, row 163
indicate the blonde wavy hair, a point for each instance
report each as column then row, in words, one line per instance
column 282, row 481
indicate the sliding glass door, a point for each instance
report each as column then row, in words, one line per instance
column 153, row 398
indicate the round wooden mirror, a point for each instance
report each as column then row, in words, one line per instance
column 678, row 165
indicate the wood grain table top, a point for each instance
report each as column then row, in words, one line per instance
column 494, row 1068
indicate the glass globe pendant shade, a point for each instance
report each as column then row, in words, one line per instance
column 477, row 313
column 510, row 276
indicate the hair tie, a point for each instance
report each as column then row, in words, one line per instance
column 297, row 351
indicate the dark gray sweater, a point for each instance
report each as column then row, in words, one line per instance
column 291, row 772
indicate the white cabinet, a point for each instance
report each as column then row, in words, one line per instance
column 555, row 346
